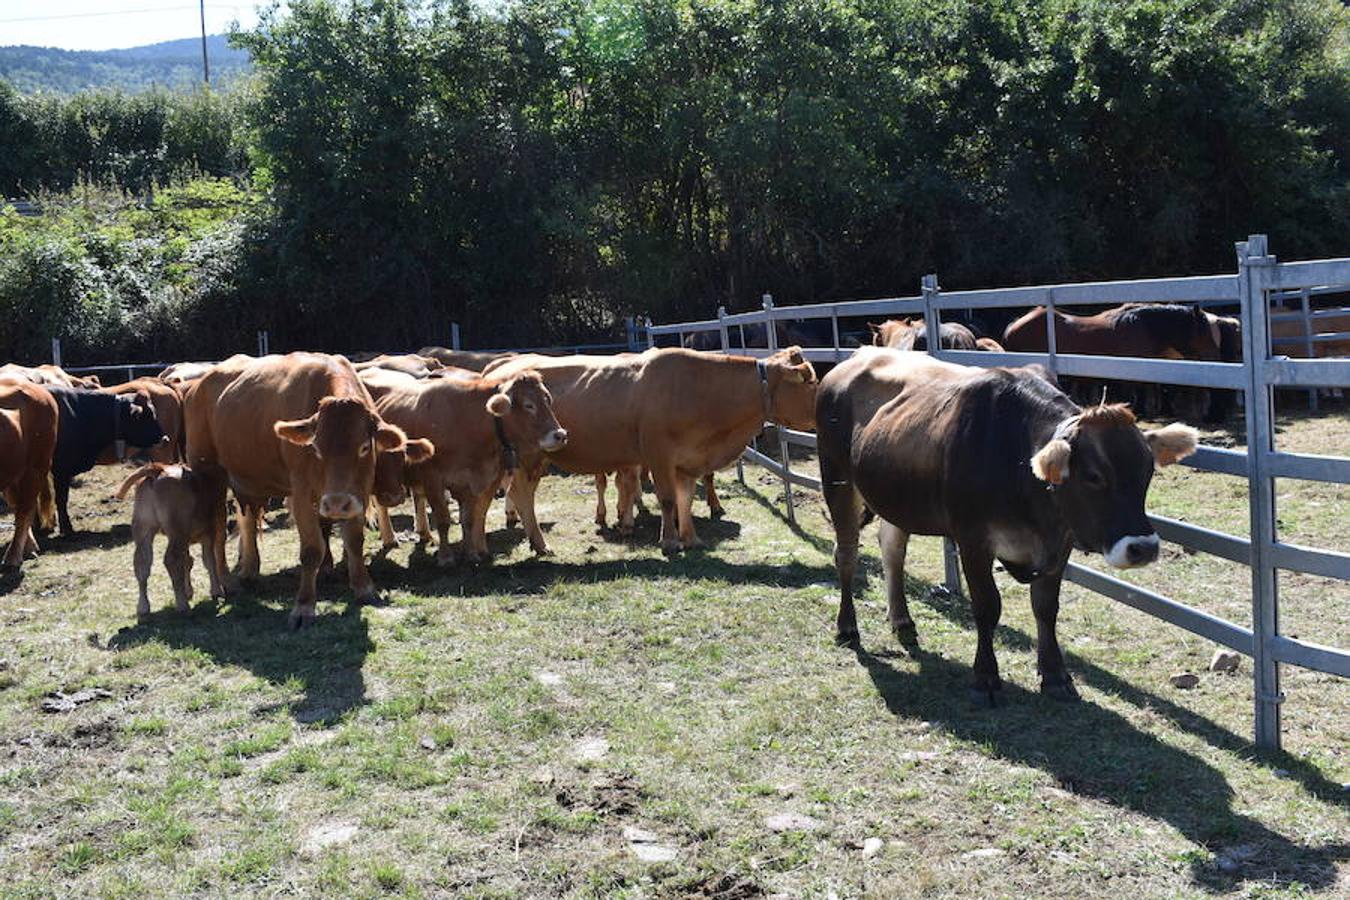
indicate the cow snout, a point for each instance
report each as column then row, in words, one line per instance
column 1132, row 551
column 554, row 440
column 340, row 506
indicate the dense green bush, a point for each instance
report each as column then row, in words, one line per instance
column 537, row 169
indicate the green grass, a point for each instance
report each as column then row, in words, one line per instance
column 493, row 731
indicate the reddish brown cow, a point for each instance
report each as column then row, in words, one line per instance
column 482, row 427
column 28, row 423
column 1153, row 330
column 681, row 413
column 168, row 406
column 300, row 426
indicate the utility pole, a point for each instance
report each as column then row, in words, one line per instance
column 206, row 68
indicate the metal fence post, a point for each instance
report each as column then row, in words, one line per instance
column 454, row 335
column 651, row 338
column 932, row 323
column 771, row 339
column 770, row 327
column 1254, row 268
column 1304, row 305
column 726, row 345
column 56, row 351
column 1050, row 334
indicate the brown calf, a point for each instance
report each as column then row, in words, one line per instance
column 28, row 422
column 186, row 505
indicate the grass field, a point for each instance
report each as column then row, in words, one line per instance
column 503, row 731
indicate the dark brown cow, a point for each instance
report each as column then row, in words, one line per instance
column 680, row 413
column 300, row 426
column 28, row 424
column 1151, row 330
column 940, row 449
column 483, row 427
column 187, row 506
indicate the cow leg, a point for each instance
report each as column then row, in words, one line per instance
column 213, row 573
column 601, row 486
column 987, row 606
column 353, row 547
column 250, row 517
column 473, row 515
column 440, row 511
column 63, row 505
column 178, row 563
column 225, row 583
column 326, row 567
column 523, row 486
column 143, row 558
column 845, row 505
column 23, row 520
column 306, row 519
column 388, row 540
column 715, row 509
column 1055, row 680
column 420, row 524
column 512, row 511
column 894, row 545
column 664, row 482
column 684, row 507
column 629, row 484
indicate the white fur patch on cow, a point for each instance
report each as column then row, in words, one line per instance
column 1119, row 555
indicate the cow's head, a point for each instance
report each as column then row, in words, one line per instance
column 391, row 466
column 897, row 334
column 524, row 407
column 792, row 389
column 345, row 436
column 1099, row 465
column 1226, row 332
column 136, row 422
column 1203, row 337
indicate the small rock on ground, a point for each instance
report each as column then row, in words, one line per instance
column 872, row 846
column 646, row 846
column 792, row 822
column 1226, row 661
column 1184, row 680
column 549, row 679
column 59, row 702
column 983, row 853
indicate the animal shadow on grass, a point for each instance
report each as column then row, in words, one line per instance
column 647, row 531
column 250, row 630
column 65, row 544
column 1095, row 752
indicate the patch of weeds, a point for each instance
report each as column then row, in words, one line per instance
column 264, row 741
column 387, row 875
column 77, row 857
column 146, row 727
column 303, row 759
column 250, row 864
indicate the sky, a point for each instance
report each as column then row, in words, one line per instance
column 114, row 24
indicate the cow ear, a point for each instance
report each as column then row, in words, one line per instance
column 803, row 373
column 418, row 450
column 298, row 431
column 1172, row 443
column 1051, row 462
column 499, row 404
column 389, row 437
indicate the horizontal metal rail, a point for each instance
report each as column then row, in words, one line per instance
column 1193, row 373
column 1310, row 274
column 1310, row 467
column 1321, row 337
column 1327, row 563
column 1188, row 617
column 1152, row 290
column 1310, row 655
column 1216, row 543
column 1283, row 372
column 1327, row 313
column 1218, row 459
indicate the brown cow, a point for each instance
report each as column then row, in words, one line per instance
column 408, row 363
column 1000, row 461
column 473, row 360
column 912, row 334
column 680, row 413
column 186, row 505
column 182, row 373
column 483, row 427
column 168, row 406
column 300, row 426
column 28, row 424
column 628, row 484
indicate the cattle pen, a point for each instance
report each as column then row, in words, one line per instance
column 1259, row 276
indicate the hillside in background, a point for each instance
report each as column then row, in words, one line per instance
column 171, row 64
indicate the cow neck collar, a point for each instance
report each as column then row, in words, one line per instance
column 509, row 458
column 766, row 398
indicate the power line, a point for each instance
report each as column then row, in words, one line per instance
column 119, row 12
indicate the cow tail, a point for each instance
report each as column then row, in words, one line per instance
column 147, row 472
column 46, row 504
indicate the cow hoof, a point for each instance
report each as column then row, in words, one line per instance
column 299, row 620
column 984, row 697
column 372, row 600
column 718, row 513
column 848, row 639
column 9, row 569
column 1060, row 690
column 906, row 633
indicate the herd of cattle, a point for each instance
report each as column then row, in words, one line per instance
column 999, row 459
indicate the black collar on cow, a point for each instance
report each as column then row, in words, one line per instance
column 765, row 396
column 509, row 459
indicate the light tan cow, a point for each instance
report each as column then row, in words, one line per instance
column 300, row 426
column 679, row 413
column 473, row 360
column 48, row 374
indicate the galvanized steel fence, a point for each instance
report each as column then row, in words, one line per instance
column 1259, row 277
